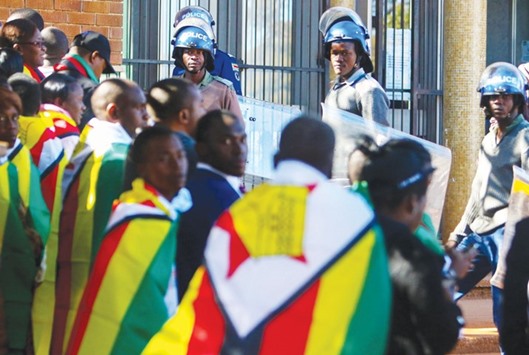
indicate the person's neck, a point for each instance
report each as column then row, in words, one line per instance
column 195, row 77
column 173, row 125
column 396, row 215
column 345, row 77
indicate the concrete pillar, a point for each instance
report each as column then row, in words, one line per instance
column 346, row 3
column 464, row 30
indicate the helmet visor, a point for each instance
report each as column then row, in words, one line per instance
column 195, row 22
column 334, row 14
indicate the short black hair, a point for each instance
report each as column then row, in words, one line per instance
column 138, row 149
column 169, row 96
column 308, row 140
column 28, row 14
column 399, row 168
column 208, row 121
column 56, row 86
column 29, row 92
column 11, row 62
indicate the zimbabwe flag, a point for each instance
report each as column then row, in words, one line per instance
column 131, row 291
column 93, row 180
column 288, row 270
column 38, row 135
column 29, row 189
column 65, row 126
column 20, row 257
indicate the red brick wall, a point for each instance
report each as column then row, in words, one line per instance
column 76, row 16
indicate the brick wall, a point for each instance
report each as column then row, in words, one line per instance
column 76, row 16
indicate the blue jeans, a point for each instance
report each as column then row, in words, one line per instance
column 486, row 261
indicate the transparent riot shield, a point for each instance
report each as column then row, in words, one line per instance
column 348, row 127
column 264, row 122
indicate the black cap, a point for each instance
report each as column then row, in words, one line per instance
column 400, row 163
column 94, row 41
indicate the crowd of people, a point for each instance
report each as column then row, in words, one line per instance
column 125, row 226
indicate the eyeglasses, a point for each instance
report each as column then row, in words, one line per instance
column 39, row 44
column 4, row 121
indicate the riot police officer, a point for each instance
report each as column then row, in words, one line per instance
column 193, row 51
column 225, row 65
column 502, row 88
column 345, row 45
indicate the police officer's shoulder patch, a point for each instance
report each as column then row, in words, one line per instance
column 224, row 81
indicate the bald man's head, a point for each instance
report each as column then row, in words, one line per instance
column 123, row 101
column 109, row 91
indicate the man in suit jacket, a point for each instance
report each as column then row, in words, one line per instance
column 214, row 186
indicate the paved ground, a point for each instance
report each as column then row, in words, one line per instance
column 479, row 335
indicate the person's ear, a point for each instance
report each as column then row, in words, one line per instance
column 93, row 56
column 184, row 116
column 57, row 101
column 17, row 47
column 112, row 112
column 410, row 204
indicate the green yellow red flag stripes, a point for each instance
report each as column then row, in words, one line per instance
column 38, row 135
column 35, row 73
column 318, row 285
column 97, row 179
column 131, row 291
column 29, row 189
column 65, row 127
column 20, row 252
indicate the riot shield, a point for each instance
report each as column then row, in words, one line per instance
column 264, row 122
column 348, row 127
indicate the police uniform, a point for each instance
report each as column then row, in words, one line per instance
column 225, row 67
column 362, row 95
column 218, row 93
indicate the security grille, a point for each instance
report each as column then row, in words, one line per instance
column 409, row 64
column 278, row 47
column 276, row 42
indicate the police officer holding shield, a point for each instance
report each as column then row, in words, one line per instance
column 345, row 45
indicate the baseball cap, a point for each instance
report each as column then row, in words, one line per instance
column 94, row 41
column 398, row 164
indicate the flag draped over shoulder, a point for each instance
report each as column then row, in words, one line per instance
column 38, row 135
column 20, row 250
column 34, row 73
column 288, row 269
column 124, row 302
column 65, row 126
column 93, row 180
column 29, row 189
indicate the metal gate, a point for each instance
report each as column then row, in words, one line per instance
column 277, row 44
column 278, row 47
column 409, row 63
